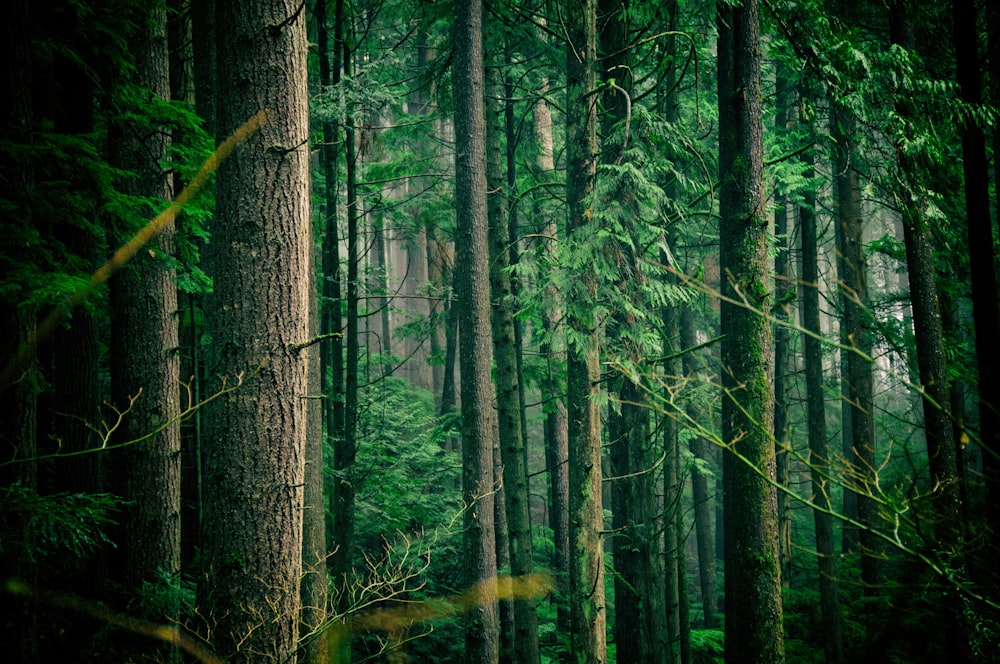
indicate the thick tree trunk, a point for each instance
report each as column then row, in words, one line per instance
column 479, row 425
column 145, row 362
column 259, row 258
column 753, row 572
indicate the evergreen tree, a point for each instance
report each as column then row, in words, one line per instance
column 753, row 573
column 258, row 320
column 479, row 425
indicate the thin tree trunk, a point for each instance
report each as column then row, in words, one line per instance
column 783, row 293
column 699, row 481
column 819, row 456
column 981, row 257
column 552, row 392
column 332, row 348
column 927, row 325
column 586, row 514
column 345, row 447
column 855, row 335
column 673, row 502
column 313, row 587
column 508, row 378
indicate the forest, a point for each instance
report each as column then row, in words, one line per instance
column 516, row 332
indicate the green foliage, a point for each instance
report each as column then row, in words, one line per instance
column 403, row 471
column 38, row 527
column 707, row 646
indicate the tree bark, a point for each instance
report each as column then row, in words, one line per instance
column 819, row 456
column 979, row 231
column 255, row 438
column 699, row 481
column 479, row 425
column 508, row 378
column 753, row 572
column 783, row 294
column 927, row 324
column 553, row 347
column 145, row 362
column 586, row 515
column 856, row 336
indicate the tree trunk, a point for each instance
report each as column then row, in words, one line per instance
column 855, row 335
column 586, row 514
column 927, row 325
column 145, row 362
column 203, row 45
column 673, row 508
column 345, row 447
column 783, row 294
column 699, row 481
column 255, row 438
column 508, row 379
column 753, row 572
column 479, row 425
column 819, row 456
column 979, row 229
column 553, row 347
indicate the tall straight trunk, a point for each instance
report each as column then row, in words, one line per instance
column 586, row 514
column 783, row 293
column 505, row 372
column 699, row 481
column 192, row 484
column 479, row 425
column 313, row 587
column 345, row 447
column 819, row 455
column 673, row 502
column 640, row 628
column 331, row 319
column 553, row 346
column 856, row 336
column 945, row 528
column 505, row 608
column 507, row 377
column 927, row 323
column 203, row 46
column 986, row 318
column 258, row 320
column 144, row 300
column 753, row 569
